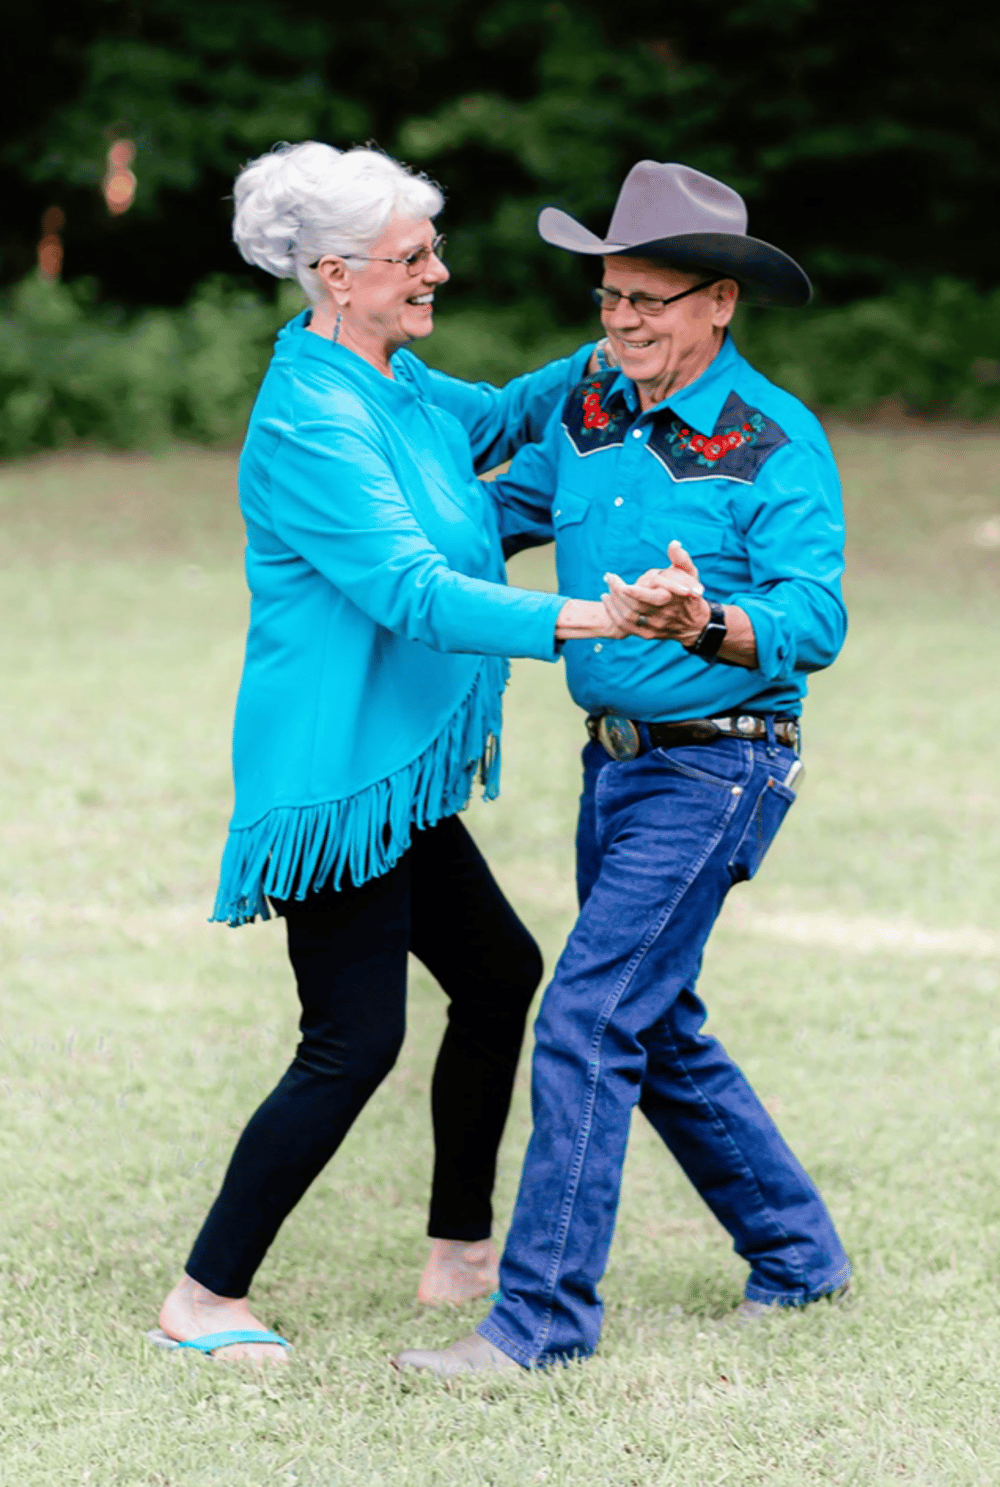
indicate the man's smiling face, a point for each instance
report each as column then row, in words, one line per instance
column 655, row 350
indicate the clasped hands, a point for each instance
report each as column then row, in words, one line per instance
column 662, row 604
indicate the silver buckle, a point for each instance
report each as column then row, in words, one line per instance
column 619, row 735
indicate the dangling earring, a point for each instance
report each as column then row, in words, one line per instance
column 336, row 328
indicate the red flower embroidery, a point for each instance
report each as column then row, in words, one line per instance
column 594, row 416
column 708, row 449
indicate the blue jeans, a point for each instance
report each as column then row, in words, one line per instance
column 661, row 839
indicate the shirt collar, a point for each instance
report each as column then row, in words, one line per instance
column 701, row 402
column 297, row 340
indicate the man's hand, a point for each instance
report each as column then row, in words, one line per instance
column 667, row 604
column 663, row 604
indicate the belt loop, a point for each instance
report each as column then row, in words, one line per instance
column 772, row 737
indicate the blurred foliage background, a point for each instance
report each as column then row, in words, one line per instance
column 865, row 139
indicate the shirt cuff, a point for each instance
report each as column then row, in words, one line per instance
column 775, row 651
column 541, row 627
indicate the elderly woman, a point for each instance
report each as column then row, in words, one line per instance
column 370, row 699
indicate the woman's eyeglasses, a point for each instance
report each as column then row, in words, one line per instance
column 644, row 304
column 413, row 262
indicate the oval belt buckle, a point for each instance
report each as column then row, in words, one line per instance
column 619, row 735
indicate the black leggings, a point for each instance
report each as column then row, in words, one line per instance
column 348, row 949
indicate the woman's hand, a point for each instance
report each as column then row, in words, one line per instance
column 601, row 358
column 587, row 619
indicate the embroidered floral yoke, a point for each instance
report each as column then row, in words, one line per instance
column 380, row 616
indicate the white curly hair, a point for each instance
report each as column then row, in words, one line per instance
column 299, row 202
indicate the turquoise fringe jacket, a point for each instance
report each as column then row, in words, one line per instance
column 380, row 616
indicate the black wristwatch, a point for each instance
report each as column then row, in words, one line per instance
column 714, row 633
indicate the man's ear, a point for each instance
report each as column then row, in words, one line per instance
column 726, row 294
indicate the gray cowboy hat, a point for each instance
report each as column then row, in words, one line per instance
column 692, row 222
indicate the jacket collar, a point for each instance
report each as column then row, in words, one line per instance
column 700, row 402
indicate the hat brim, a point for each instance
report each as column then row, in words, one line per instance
column 766, row 276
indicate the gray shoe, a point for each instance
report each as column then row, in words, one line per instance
column 472, row 1354
column 749, row 1311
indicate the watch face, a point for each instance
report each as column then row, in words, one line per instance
column 713, row 634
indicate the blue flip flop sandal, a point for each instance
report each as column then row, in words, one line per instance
column 212, row 1340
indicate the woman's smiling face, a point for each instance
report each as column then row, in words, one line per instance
column 396, row 300
column 384, row 305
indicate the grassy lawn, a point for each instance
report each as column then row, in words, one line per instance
column 856, row 981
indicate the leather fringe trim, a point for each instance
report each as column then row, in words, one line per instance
column 295, row 848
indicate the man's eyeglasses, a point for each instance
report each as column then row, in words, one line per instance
column 413, row 262
column 644, row 304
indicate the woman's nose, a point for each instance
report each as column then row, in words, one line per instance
column 435, row 271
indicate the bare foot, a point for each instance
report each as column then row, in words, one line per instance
column 457, row 1271
column 193, row 1311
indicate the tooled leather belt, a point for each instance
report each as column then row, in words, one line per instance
column 624, row 738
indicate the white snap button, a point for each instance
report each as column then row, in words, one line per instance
column 637, row 433
column 737, row 790
column 619, row 501
column 598, row 646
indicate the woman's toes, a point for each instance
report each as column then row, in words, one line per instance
column 262, row 1353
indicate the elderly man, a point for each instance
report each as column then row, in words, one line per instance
column 693, row 755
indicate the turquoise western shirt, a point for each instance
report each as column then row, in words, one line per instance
column 742, row 474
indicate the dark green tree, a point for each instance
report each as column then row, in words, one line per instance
column 865, row 139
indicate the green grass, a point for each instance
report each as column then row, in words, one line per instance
column 856, row 980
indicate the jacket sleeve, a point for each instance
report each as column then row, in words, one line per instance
column 794, row 534
column 499, row 421
column 524, row 495
column 335, row 501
